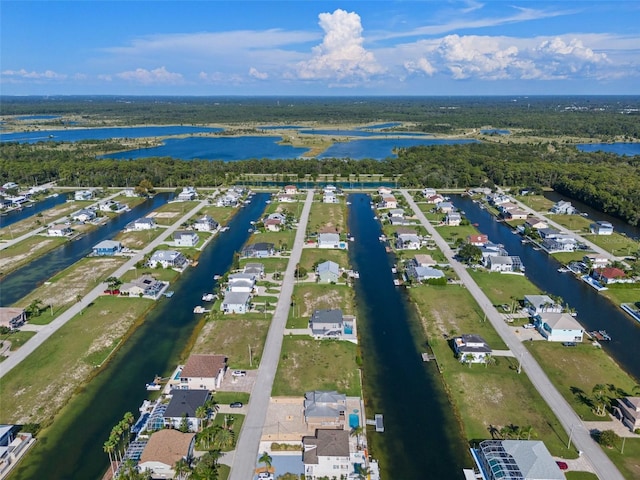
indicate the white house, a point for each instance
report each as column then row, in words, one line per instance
column 596, row 260
column 111, row 206
column 205, row 224
column 184, row 404
column 327, row 323
column 601, row 228
column 145, row 285
column 329, row 240
column 436, row 199
column 478, row 240
column 273, row 224
column 424, row 260
column 130, row 192
column 164, row 449
column 84, row 215
column 183, row 238
column 241, row 282
column 388, row 201
column 203, row 372
column 329, row 197
column 59, row 231
column 396, row 213
column 559, row 327
column 384, row 191
column 143, row 223
column 290, row 190
column 501, row 263
column 328, row 272
column 408, row 241
column 446, row 207
column 424, row 273
column 235, row 302
column 471, row 348
column 453, row 219
column 429, row 192
column 525, row 459
column 560, row 243
column 284, row 198
column 537, row 304
column 564, row 208
column 83, row 195
column 168, row 259
column 326, row 454
column 187, row 194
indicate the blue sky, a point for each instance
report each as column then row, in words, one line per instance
column 309, row 47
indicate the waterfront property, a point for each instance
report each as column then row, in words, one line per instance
column 559, row 327
column 328, row 272
column 407, row 239
column 164, row 449
column 564, row 208
column 331, row 324
column 84, row 215
column 12, row 317
column 107, row 248
column 143, row 223
column 330, row 240
column 143, row 286
column 609, row 275
column 601, row 228
column 168, row 259
column 183, row 405
column 515, row 459
column 537, row 304
column 256, row 269
column 59, row 231
column 236, row 302
column 504, row 264
column 453, row 219
column 326, row 454
column 478, row 240
column 187, row 194
column 83, row 195
column 184, row 238
column 203, row 372
column 420, row 273
column 628, row 410
column 471, row 348
column 205, row 224
column 259, row 250
column 325, row 409
column 241, row 282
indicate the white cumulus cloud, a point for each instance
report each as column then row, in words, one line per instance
column 147, row 77
column 32, row 75
column 341, row 55
column 421, row 65
column 253, row 72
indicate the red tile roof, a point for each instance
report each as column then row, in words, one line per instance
column 204, row 366
column 611, row 272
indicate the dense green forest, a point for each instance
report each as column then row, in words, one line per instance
column 593, row 117
column 607, row 182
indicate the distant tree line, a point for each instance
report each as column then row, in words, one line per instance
column 607, row 182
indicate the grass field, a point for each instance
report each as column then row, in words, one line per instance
column 451, row 234
column 622, row 294
column 17, row 339
column 40, row 219
column 627, row 462
column 565, row 367
column 577, row 223
column 169, row 213
column 616, row 243
column 233, row 337
column 504, row 289
column 24, row 252
column 312, row 296
column 538, row 202
column 271, row 265
column 281, row 240
column 313, row 256
column 138, row 240
column 222, row 215
column 307, row 364
column 327, row 217
column 76, row 349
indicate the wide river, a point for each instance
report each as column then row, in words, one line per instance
column 72, row 447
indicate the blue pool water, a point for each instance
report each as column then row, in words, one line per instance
column 354, row 420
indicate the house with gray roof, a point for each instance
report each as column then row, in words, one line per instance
column 516, row 459
column 205, row 224
column 423, row 273
column 327, row 323
column 258, row 250
column 471, row 348
column 183, row 238
column 168, row 259
column 558, row 327
column 325, row 409
column 185, row 403
column 329, row 240
column 236, row 302
column 328, row 272
column 537, row 304
column 326, row 454
column 256, row 269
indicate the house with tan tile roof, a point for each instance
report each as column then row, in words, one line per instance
column 164, row 449
column 203, row 372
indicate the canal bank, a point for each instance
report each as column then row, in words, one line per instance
column 32, row 208
column 20, row 282
column 595, row 312
column 422, row 436
column 72, row 447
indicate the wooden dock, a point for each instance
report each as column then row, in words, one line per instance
column 378, row 422
column 427, row 357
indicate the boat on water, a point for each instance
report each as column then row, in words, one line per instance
column 153, row 386
column 600, row 335
column 169, row 294
column 217, row 277
column 198, row 309
column 208, row 297
column 563, row 270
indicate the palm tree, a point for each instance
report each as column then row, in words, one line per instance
column 363, row 472
column 598, row 393
column 201, row 414
column 468, row 359
column 224, row 438
column 266, row 459
column 181, row 468
column 108, row 447
column 356, row 432
column 528, row 429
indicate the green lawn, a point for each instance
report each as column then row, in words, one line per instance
column 313, row 256
column 572, row 222
column 565, row 367
column 281, row 240
column 616, row 243
column 222, row 215
column 566, row 257
column 232, row 336
column 628, row 462
column 327, row 216
column 271, row 265
column 28, row 250
column 307, row 364
column 580, row 476
column 451, row 234
column 164, row 274
column 169, row 213
column 77, row 349
column 312, row 296
column 619, row 293
column 538, row 202
column 17, row 339
column 225, row 398
column 138, row 240
column 504, row 289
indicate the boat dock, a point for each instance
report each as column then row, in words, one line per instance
column 600, row 335
column 427, row 357
column 378, row 422
column 631, row 310
column 200, row 309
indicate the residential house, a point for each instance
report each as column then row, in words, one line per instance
column 490, row 249
column 558, row 327
column 429, row 192
column 601, row 228
column 480, row 191
column 256, row 269
column 330, row 188
column 329, row 197
column 554, row 241
column 400, row 221
column 389, row 201
column 290, row 190
column 183, row 238
column 84, row 215
column 478, row 240
column 408, row 241
column 168, row 259
column 537, row 304
column 13, row 444
column 130, row 192
column 325, row 409
column 12, row 317
column 435, row 199
column 273, row 224
column 184, row 404
column 326, row 455
column 59, row 231
column 471, row 348
column 258, row 250
column 284, row 198
column 330, row 240
column 453, row 219
column 230, row 199
column 516, row 214
column 203, row 371
column 423, row 273
column 107, row 248
column 506, row 207
column 187, row 194
column 205, row 224
column 535, row 224
column 497, row 199
column 83, row 195
column 141, row 224
column 564, row 208
column 396, row 213
column 236, row 302
column 164, row 449
column 423, row 260
column 328, row 272
column 10, row 186
column 241, row 282
column 630, row 411
column 500, row 263
column 327, row 323
column 145, row 285
column 446, row 207
column 111, row 206
column 609, row 275
column 384, row 191
column 595, row 260
column 523, row 459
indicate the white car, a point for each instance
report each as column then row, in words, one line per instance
column 239, row 373
column 528, row 325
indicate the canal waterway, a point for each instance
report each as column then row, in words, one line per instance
column 595, row 312
column 9, row 218
column 422, row 438
column 19, row 283
column 72, row 448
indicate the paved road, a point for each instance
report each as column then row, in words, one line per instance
column 13, row 241
column 47, row 330
column 602, row 465
column 244, row 461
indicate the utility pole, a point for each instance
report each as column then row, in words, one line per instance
column 520, row 369
column 250, row 357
